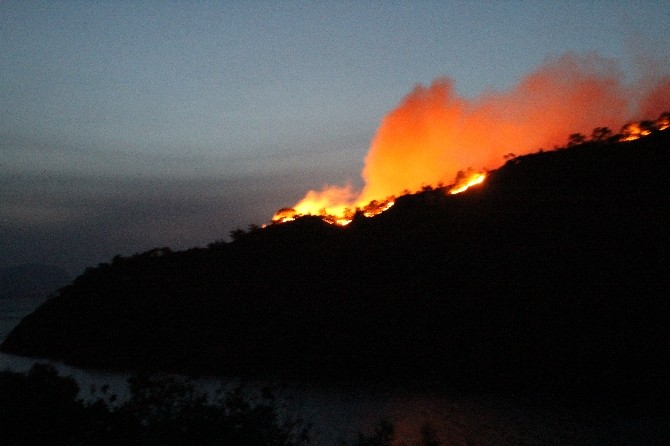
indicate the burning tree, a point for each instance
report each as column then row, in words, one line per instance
column 663, row 121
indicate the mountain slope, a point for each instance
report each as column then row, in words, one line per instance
column 554, row 272
column 30, row 281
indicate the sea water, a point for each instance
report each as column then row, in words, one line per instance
column 12, row 310
column 339, row 413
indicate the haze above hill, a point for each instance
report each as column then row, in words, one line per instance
column 31, row 281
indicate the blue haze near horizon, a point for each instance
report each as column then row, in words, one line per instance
column 131, row 125
column 12, row 311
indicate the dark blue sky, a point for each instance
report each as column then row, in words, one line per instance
column 130, row 125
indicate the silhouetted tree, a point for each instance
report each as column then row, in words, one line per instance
column 576, row 139
column 40, row 408
column 216, row 244
column 647, row 126
column 172, row 411
column 382, row 436
column 237, row 234
column 637, row 129
column 663, row 121
column 601, row 134
column 428, row 436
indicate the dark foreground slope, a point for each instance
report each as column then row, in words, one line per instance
column 554, row 273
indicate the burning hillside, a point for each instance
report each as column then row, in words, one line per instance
column 331, row 204
column 434, row 134
column 562, row 248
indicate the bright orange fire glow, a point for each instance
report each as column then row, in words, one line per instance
column 331, row 205
column 434, row 133
column 332, row 202
column 284, row 215
column 468, row 182
column 340, row 215
column 633, row 131
column 374, row 208
column 663, row 121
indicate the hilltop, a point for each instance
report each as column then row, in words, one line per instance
column 553, row 273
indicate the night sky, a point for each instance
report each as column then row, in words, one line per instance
column 131, row 125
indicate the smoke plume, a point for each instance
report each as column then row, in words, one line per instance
column 434, row 133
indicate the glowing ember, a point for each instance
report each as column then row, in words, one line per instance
column 633, row 131
column 468, row 182
column 284, row 215
column 371, row 210
column 338, row 215
column 637, row 129
column 332, row 204
column 663, row 122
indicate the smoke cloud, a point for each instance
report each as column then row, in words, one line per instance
column 434, row 133
column 657, row 100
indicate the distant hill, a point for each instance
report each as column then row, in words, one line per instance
column 31, row 281
column 554, row 273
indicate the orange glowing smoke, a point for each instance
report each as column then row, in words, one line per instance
column 434, row 133
column 656, row 99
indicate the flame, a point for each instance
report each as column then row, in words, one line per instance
column 332, row 201
column 633, row 131
column 313, row 204
column 284, row 215
column 637, row 129
column 434, row 133
column 663, row 122
column 331, row 205
column 468, row 182
column 373, row 208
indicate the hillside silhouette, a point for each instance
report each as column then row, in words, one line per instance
column 31, row 281
column 554, row 273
